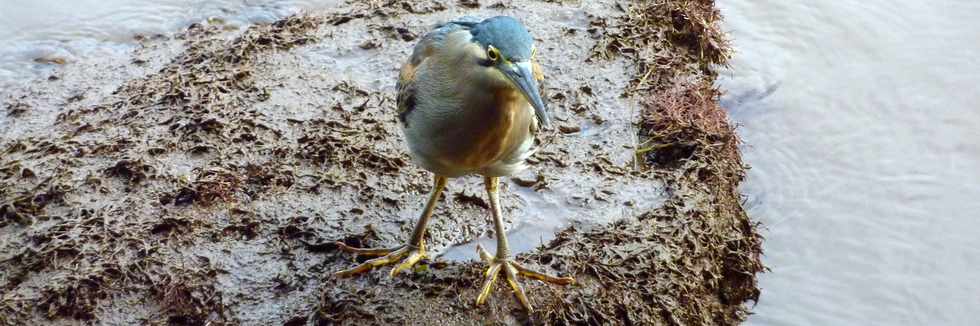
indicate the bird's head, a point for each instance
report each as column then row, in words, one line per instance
column 507, row 51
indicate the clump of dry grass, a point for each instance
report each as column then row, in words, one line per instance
column 347, row 145
column 216, row 185
column 188, row 295
column 24, row 194
column 132, row 171
column 91, row 254
column 666, row 39
column 683, row 123
column 704, row 252
column 203, row 77
column 689, row 141
column 76, row 295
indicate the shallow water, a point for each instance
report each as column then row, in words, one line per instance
column 75, row 30
column 861, row 125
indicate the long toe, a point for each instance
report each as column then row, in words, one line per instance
column 516, row 286
column 414, row 256
column 406, row 255
column 489, row 279
column 523, row 271
column 369, row 252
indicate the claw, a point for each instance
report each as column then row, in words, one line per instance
column 370, row 252
column 414, row 257
column 512, row 270
column 369, row 265
column 490, row 277
column 518, row 289
column 523, row 271
column 408, row 255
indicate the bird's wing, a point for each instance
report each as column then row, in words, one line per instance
column 423, row 50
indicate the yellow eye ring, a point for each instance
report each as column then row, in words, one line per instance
column 493, row 54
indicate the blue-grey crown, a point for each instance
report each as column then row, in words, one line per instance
column 506, row 34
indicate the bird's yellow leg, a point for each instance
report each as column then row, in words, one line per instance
column 503, row 262
column 408, row 255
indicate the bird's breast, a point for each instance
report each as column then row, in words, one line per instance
column 497, row 129
column 487, row 128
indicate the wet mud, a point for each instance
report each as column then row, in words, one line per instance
column 205, row 179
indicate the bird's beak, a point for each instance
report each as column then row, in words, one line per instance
column 523, row 76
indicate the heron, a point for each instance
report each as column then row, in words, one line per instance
column 469, row 104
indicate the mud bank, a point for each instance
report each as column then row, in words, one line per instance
column 204, row 179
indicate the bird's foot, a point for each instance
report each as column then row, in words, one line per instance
column 407, row 255
column 512, row 270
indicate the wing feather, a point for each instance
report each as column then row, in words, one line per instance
column 423, row 50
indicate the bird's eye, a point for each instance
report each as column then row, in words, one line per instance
column 493, row 54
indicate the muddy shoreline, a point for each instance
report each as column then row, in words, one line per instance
column 204, row 179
